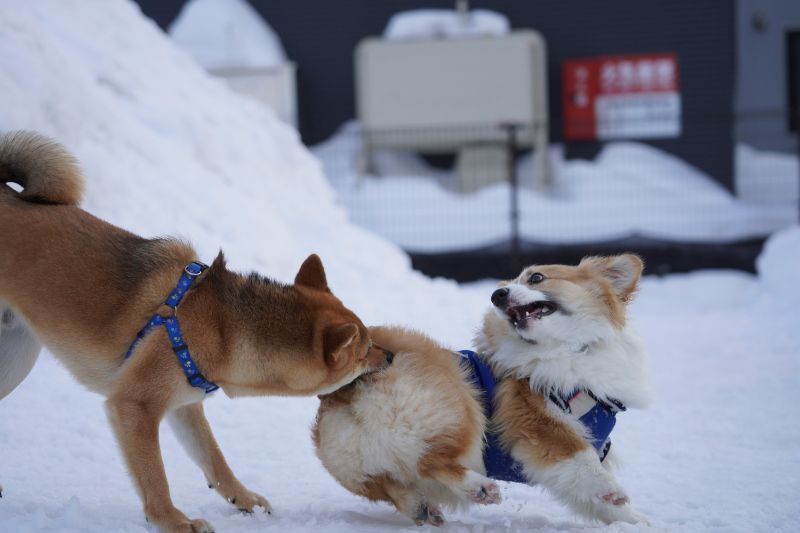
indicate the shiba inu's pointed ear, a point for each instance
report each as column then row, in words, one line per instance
column 337, row 342
column 622, row 271
column 312, row 274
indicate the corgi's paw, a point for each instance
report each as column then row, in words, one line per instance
column 429, row 514
column 486, row 494
column 615, row 498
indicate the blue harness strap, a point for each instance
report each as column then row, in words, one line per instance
column 498, row 462
column 173, row 328
column 599, row 420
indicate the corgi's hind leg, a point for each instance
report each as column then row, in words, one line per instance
column 19, row 350
column 406, row 498
column 441, row 464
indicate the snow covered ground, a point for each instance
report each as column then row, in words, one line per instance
column 168, row 150
column 629, row 189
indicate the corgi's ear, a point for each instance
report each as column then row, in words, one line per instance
column 338, row 342
column 621, row 271
column 312, row 274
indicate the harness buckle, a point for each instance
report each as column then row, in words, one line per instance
column 195, row 268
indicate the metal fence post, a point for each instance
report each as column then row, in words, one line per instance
column 511, row 144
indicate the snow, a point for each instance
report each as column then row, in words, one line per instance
column 167, row 149
column 779, row 262
column 445, row 23
column 629, row 189
column 226, row 33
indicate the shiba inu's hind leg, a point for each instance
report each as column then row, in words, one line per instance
column 19, row 350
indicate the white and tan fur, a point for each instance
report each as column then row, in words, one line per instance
column 587, row 343
column 373, row 435
column 411, row 435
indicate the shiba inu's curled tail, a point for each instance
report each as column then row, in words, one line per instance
column 42, row 167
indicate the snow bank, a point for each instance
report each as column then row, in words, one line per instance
column 629, row 189
column 226, row 33
column 169, row 150
column 779, row 266
column 445, row 23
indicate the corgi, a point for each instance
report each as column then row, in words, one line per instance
column 556, row 361
column 411, row 435
column 85, row 288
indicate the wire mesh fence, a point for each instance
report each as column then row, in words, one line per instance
column 455, row 190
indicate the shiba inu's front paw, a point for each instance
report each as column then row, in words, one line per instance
column 486, row 494
column 187, row 525
column 247, row 501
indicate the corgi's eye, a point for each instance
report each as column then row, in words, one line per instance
column 536, row 277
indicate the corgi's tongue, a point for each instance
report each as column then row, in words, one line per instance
column 532, row 311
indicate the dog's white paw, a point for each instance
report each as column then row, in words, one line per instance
column 429, row 514
column 615, row 498
column 486, row 494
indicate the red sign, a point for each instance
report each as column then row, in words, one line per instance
column 622, row 96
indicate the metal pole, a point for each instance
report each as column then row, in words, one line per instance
column 511, row 142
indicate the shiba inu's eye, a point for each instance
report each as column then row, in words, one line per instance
column 536, row 277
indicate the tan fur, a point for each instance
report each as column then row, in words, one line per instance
column 446, row 451
column 85, row 288
column 524, row 425
column 552, row 446
column 46, row 171
column 521, row 417
column 349, row 427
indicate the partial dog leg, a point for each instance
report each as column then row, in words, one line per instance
column 406, row 498
column 583, row 483
column 440, row 463
column 19, row 350
column 136, row 429
column 191, row 427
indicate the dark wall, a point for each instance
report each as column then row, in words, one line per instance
column 320, row 38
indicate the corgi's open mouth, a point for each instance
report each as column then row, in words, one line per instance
column 520, row 314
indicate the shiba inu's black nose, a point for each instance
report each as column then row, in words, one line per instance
column 389, row 356
column 500, row 296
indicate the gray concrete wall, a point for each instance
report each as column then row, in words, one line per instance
column 761, row 100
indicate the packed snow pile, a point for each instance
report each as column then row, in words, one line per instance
column 168, row 150
column 779, row 266
column 445, row 23
column 630, row 189
column 226, row 33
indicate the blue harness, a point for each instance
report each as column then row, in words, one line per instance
column 173, row 327
column 599, row 420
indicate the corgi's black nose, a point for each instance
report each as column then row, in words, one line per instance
column 500, row 296
column 389, row 356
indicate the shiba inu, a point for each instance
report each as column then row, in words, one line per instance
column 84, row 288
column 557, row 360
